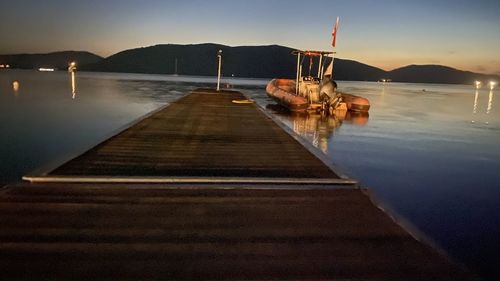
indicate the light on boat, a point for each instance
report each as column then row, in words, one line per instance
column 43, row 69
column 478, row 84
column 492, row 84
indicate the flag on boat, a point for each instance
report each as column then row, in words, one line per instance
column 334, row 32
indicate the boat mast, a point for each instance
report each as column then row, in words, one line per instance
column 334, row 41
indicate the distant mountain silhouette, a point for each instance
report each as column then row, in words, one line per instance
column 243, row 61
column 436, row 74
column 259, row 61
column 265, row 62
column 57, row 60
column 356, row 71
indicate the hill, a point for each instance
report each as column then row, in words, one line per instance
column 265, row 62
column 436, row 74
column 57, row 60
column 244, row 61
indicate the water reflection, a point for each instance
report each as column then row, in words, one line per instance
column 489, row 107
column 357, row 118
column 72, row 70
column 476, row 97
column 73, row 85
column 315, row 127
column 490, row 102
column 15, row 87
column 382, row 94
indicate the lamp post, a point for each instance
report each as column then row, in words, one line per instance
column 219, row 55
column 72, row 67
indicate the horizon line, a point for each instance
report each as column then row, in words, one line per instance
column 236, row 46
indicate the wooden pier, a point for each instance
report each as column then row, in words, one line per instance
column 204, row 189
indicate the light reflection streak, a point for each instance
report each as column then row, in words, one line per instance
column 15, row 87
column 490, row 102
column 489, row 107
column 382, row 94
column 476, row 97
column 72, row 70
column 73, row 85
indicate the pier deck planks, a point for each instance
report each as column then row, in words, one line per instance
column 148, row 232
column 201, row 135
column 116, row 231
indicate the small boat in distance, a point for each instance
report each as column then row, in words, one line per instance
column 45, row 69
column 317, row 93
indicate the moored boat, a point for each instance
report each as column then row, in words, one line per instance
column 283, row 92
column 315, row 92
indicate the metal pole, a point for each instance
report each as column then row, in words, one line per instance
column 298, row 75
column 320, row 67
column 219, row 55
column 333, row 61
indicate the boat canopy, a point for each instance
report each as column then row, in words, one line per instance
column 321, row 55
column 312, row 53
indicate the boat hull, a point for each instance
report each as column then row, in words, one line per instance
column 283, row 92
column 355, row 103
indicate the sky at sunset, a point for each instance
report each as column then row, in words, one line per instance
column 387, row 34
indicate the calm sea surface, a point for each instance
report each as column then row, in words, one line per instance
column 428, row 152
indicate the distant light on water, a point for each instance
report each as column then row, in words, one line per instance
column 478, row 84
column 492, row 85
column 15, row 87
column 43, row 69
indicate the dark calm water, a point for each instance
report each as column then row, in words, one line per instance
column 430, row 153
